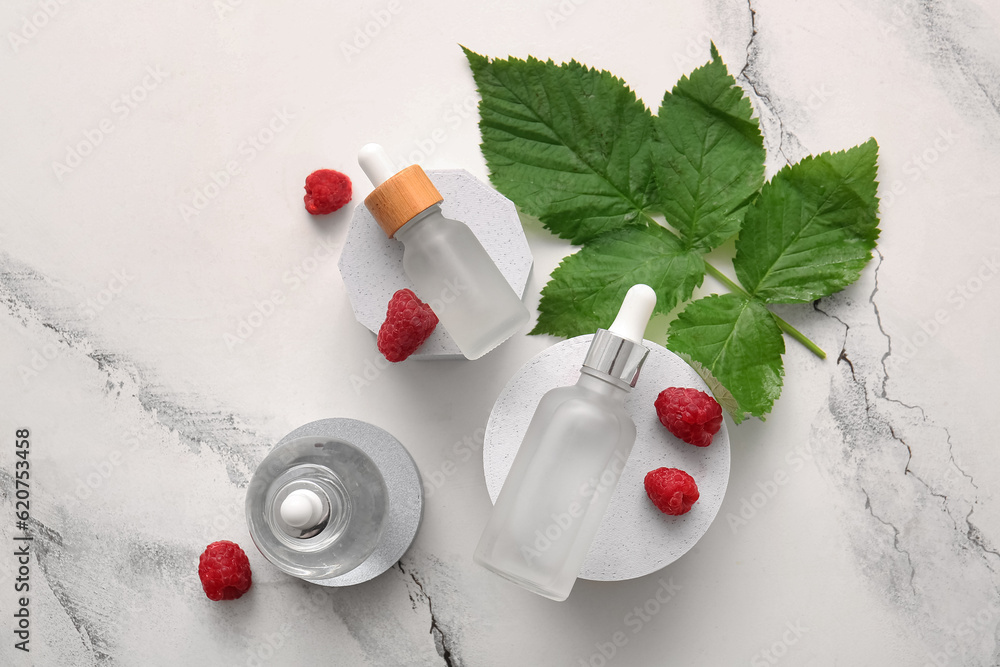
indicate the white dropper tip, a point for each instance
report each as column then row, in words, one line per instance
column 301, row 508
column 376, row 164
column 633, row 316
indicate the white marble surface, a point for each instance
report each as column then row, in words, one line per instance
column 152, row 388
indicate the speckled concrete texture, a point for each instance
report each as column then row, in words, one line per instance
column 631, row 518
column 371, row 264
column 402, row 481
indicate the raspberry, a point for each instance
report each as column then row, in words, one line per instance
column 224, row 571
column 408, row 323
column 691, row 415
column 326, row 191
column 673, row 491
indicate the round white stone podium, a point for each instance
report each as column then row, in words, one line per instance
column 635, row 538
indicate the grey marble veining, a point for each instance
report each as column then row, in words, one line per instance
column 157, row 352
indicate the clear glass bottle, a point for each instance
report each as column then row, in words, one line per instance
column 450, row 269
column 316, row 507
column 569, row 463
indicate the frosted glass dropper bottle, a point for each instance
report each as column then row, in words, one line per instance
column 449, row 267
column 569, row 463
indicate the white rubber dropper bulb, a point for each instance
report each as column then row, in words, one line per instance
column 633, row 316
column 376, row 164
column 302, row 509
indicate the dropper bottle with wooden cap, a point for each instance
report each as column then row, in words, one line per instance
column 449, row 267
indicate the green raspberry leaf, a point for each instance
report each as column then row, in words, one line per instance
column 576, row 148
column 721, row 394
column 567, row 143
column 812, row 229
column 587, row 289
column 708, row 155
column 738, row 343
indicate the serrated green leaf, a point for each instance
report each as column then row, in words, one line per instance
column 724, row 397
column 738, row 342
column 708, row 155
column 587, row 288
column 812, row 229
column 576, row 148
column 567, row 143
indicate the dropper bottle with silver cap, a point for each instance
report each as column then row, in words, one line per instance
column 448, row 265
column 569, row 463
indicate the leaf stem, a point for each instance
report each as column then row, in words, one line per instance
column 782, row 324
column 724, row 279
column 733, row 287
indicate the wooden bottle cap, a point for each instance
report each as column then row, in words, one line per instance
column 401, row 197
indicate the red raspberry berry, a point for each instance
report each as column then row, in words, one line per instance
column 691, row 415
column 326, row 191
column 673, row 491
column 224, row 571
column 408, row 323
